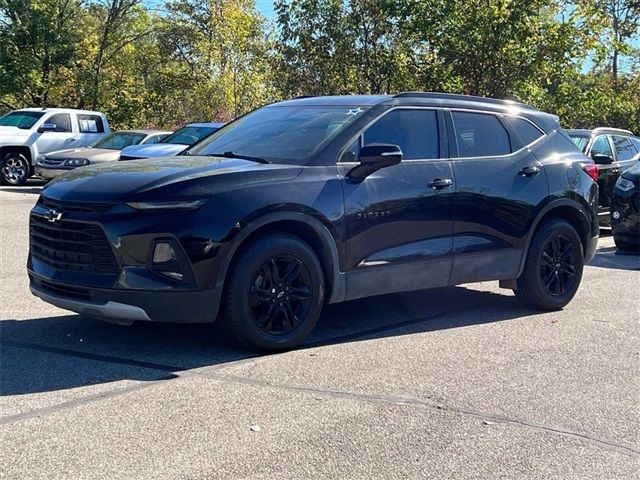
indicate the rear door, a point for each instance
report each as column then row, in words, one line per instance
column 91, row 128
column 499, row 183
column 398, row 221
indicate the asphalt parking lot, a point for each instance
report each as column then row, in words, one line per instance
column 456, row 383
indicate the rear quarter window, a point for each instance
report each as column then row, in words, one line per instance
column 527, row 132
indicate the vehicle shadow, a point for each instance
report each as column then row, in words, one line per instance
column 611, row 257
column 57, row 353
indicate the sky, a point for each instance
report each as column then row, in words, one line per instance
column 266, row 8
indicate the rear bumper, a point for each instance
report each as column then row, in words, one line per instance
column 198, row 306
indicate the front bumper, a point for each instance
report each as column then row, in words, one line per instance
column 126, row 306
column 50, row 173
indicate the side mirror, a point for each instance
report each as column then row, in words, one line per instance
column 47, row 127
column 602, row 159
column 373, row 157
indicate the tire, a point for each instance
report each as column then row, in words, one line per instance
column 626, row 246
column 15, row 169
column 274, row 294
column 551, row 276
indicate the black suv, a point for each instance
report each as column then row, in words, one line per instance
column 614, row 151
column 321, row 200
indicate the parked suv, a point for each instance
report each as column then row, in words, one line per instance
column 321, row 200
column 614, row 151
column 28, row 133
column 106, row 149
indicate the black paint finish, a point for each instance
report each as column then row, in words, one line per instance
column 415, row 225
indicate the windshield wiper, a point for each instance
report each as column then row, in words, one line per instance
column 230, row 154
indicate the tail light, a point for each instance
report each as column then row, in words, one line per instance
column 592, row 170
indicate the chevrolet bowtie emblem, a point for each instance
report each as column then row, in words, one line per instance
column 53, row 215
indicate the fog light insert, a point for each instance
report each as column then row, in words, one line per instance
column 163, row 253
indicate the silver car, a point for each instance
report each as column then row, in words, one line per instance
column 107, row 149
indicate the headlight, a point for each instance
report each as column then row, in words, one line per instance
column 624, row 184
column 76, row 162
column 180, row 205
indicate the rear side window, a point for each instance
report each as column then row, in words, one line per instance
column 625, row 150
column 62, row 122
column 480, row 135
column 527, row 132
column 601, row 146
column 90, row 123
column 415, row 131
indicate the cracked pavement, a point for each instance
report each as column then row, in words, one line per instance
column 458, row 383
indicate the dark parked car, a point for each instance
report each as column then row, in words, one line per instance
column 322, row 200
column 625, row 211
column 614, row 151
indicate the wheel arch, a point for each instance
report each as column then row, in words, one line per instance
column 307, row 228
column 22, row 149
column 565, row 209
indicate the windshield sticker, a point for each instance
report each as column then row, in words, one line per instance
column 354, row 111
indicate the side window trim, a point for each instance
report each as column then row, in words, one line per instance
column 360, row 134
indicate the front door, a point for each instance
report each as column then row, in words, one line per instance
column 61, row 139
column 398, row 221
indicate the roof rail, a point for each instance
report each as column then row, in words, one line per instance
column 456, row 96
column 609, row 129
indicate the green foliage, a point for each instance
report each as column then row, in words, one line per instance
column 167, row 62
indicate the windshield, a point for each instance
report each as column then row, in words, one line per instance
column 580, row 141
column 281, row 134
column 117, row 141
column 189, row 135
column 24, row 120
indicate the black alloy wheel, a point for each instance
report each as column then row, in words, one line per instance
column 553, row 267
column 274, row 293
column 558, row 265
column 280, row 295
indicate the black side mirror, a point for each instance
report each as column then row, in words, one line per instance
column 373, row 157
column 47, row 127
column 602, row 159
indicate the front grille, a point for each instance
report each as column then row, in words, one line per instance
column 65, row 291
column 72, row 207
column 53, row 161
column 71, row 245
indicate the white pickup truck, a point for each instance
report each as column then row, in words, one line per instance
column 31, row 132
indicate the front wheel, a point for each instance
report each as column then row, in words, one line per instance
column 274, row 294
column 553, row 268
column 15, row 169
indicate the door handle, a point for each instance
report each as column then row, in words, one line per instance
column 438, row 183
column 529, row 171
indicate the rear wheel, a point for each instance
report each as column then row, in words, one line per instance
column 274, row 294
column 15, row 169
column 553, row 268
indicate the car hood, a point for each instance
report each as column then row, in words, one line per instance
column 155, row 150
column 91, row 154
column 162, row 179
column 9, row 135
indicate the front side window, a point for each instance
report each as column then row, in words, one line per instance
column 188, row 135
column 118, row 141
column 480, row 135
column 415, row 131
column 601, row 146
column 20, row 119
column 525, row 130
column 281, row 134
column 62, row 121
column 90, row 123
column 625, row 150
